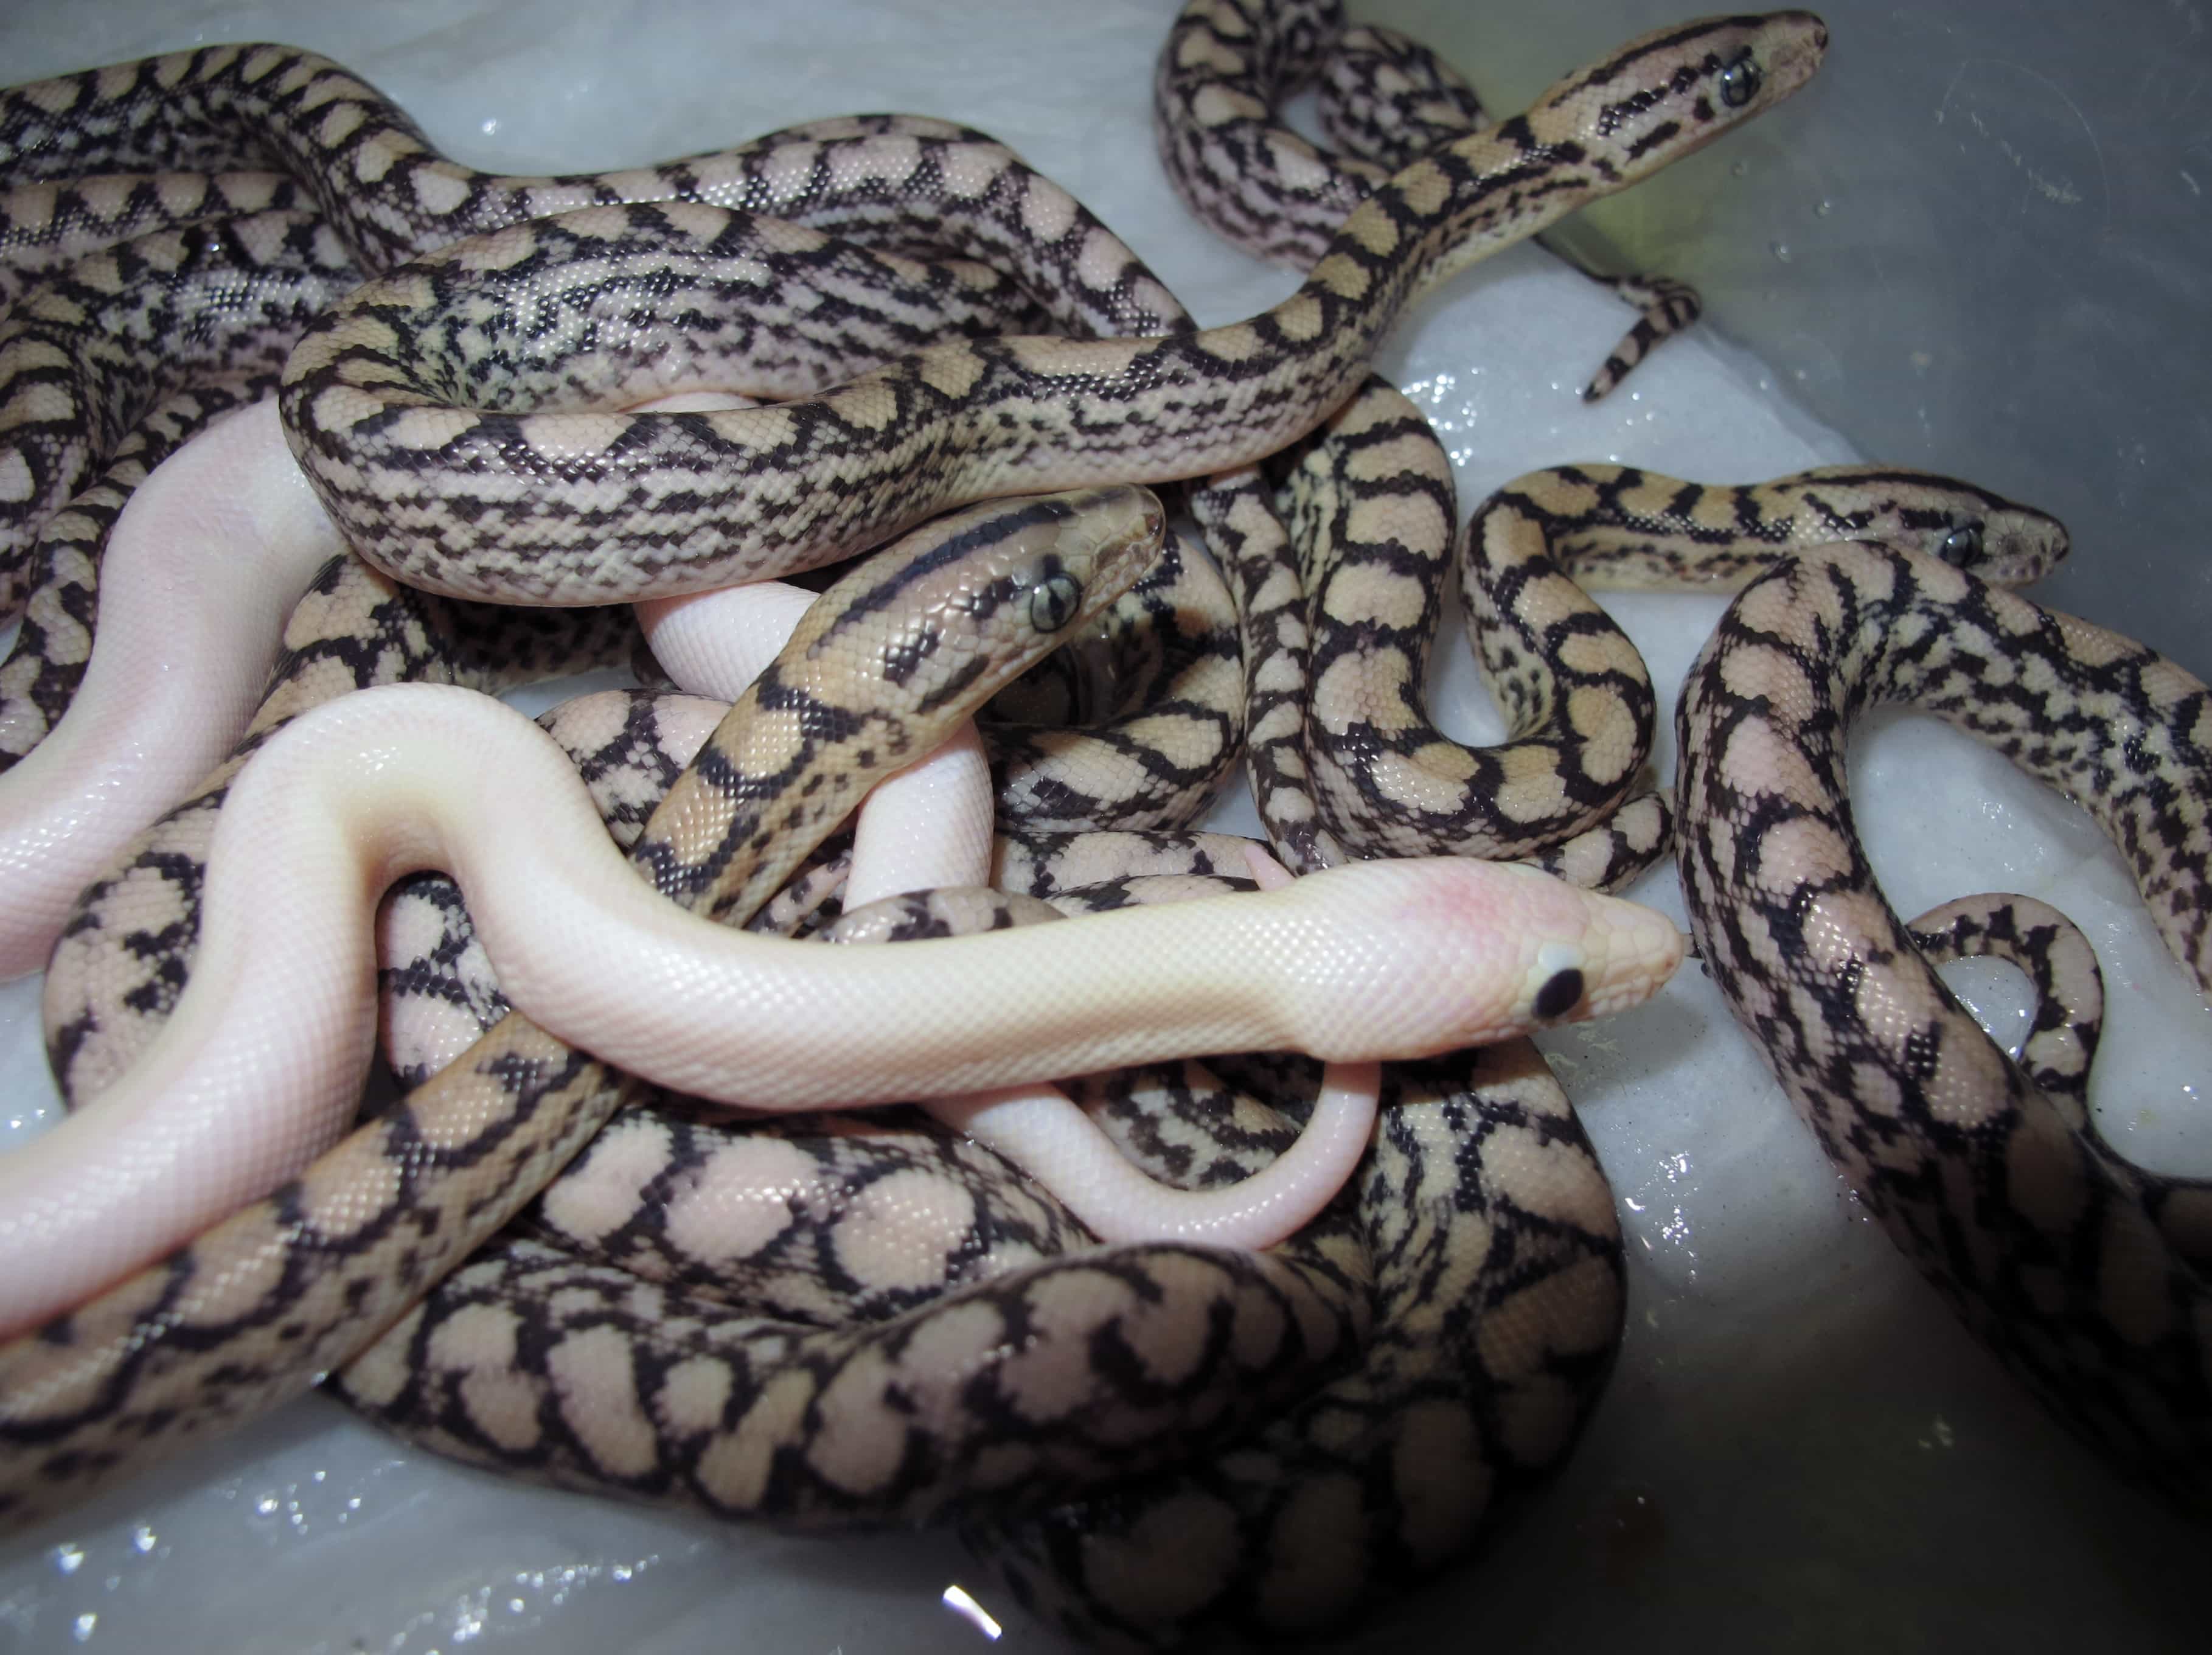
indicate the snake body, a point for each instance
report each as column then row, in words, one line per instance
column 937, row 640
column 90, row 352
column 1382, row 100
column 1286, row 359
column 506, row 504
column 2082, row 1272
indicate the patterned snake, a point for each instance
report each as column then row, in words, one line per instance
column 2084, row 1274
column 1783, row 77
column 1383, row 99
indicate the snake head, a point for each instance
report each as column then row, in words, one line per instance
column 960, row 607
column 1675, row 90
column 2007, row 545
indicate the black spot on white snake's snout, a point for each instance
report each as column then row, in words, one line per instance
column 1740, row 80
column 1055, row 601
column 1561, row 993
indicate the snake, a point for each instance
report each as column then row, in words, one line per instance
column 2084, row 1274
column 974, row 1038
column 1382, row 99
column 508, row 504
column 1482, row 1214
column 1739, row 78
column 823, row 311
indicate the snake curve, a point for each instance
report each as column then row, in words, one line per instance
column 428, row 491
column 1533, row 1329
column 1382, row 100
column 2084, row 1274
column 824, row 309
column 696, row 849
column 901, row 182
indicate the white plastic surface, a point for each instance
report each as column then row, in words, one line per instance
column 1800, row 1449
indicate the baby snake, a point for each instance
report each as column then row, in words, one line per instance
column 2083, row 1273
column 507, row 505
column 1382, row 100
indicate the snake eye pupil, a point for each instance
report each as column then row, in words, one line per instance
column 1740, row 81
column 1053, row 601
column 1962, row 545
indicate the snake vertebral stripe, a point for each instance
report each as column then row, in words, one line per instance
column 516, row 505
column 2082, row 1272
column 1383, row 101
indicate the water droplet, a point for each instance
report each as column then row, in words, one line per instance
column 1782, row 251
column 142, row 1539
column 1740, row 168
column 68, row 1558
column 1823, row 207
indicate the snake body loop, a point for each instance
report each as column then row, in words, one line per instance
column 2082, row 1272
column 931, row 630
column 1384, row 100
column 510, row 504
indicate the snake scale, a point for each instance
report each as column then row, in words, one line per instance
column 1381, row 97
column 1092, row 1610
column 2084, row 1273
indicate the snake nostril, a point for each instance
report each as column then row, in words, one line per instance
column 1560, row 994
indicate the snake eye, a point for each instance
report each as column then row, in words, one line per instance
column 1053, row 601
column 1740, row 81
column 1962, row 545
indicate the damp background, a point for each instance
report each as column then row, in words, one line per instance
column 1799, row 1448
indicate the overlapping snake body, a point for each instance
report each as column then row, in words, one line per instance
column 2084, row 1273
column 429, row 491
column 937, row 626
column 1259, row 381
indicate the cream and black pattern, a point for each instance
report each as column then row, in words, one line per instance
column 40, row 675
column 88, row 353
column 215, row 109
column 126, row 952
column 424, row 488
column 43, row 227
column 837, row 1282
column 1341, row 606
column 1480, row 1257
column 909, row 183
column 808, row 310
column 2066, row 986
column 1152, row 723
column 1428, row 1391
column 884, row 665
column 1498, row 1289
column 1384, row 100
column 2082, row 1272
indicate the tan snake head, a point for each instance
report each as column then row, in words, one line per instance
column 1678, row 88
